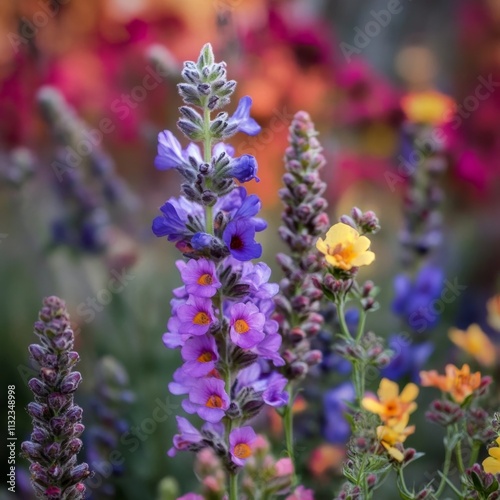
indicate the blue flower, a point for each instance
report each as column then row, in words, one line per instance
column 170, row 153
column 414, row 301
column 239, row 237
column 241, row 118
column 244, row 168
column 200, row 241
column 336, row 428
column 173, row 221
column 409, row 358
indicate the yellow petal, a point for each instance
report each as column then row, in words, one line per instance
column 321, row 246
column 372, row 405
column 365, row 259
column 393, row 452
column 495, row 452
column 340, row 233
column 362, row 244
column 457, row 337
column 410, row 393
column 388, row 390
column 491, row 465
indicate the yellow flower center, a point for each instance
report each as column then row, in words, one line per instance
column 214, row 401
column 205, row 279
column 205, row 357
column 241, row 326
column 201, row 318
column 343, row 253
column 242, row 450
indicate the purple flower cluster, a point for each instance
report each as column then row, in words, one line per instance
column 222, row 315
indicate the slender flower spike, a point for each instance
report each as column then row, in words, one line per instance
column 344, row 248
column 491, row 465
column 474, row 342
column 56, row 419
column 389, row 436
column 459, row 383
column 241, row 441
column 392, row 406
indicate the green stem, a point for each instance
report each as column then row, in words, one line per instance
column 359, row 380
column 361, row 325
column 288, row 423
column 446, row 467
column 402, row 483
column 341, row 318
column 460, row 462
column 475, row 452
column 207, row 157
column 233, row 486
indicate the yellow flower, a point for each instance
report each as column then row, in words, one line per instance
column 429, row 107
column 459, row 383
column 391, row 406
column 475, row 342
column 344, row 248
column 491, row 465
column 391, row 435
column 493, row 306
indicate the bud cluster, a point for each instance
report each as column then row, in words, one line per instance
column 304, row 220
column 55, row 441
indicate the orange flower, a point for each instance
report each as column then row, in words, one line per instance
column 493, row 306
column 474, row 342
column 429, row 107
column 458, row 383
column 391, row 435
column 325, row 458
column 392, row 406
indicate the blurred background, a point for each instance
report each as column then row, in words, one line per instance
column 85, row 87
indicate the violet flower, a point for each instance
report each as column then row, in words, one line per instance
column 57, row 425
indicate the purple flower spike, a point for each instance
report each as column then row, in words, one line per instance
column 210, row 399
column 200, row 277
column 170, row 154
column 196, row 316
column 241, row 441
column 242, row 118
column 247, row 325
column 239, row 238
column 200, row 355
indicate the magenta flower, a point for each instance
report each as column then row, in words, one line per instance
column 200, row 354
column 200, row 277
column 208, row 399
column 191, row 496
column 241, row 441
column 196, row 316
column 247, row 325
column 239, row 237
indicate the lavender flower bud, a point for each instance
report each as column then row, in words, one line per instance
column 55, row 418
